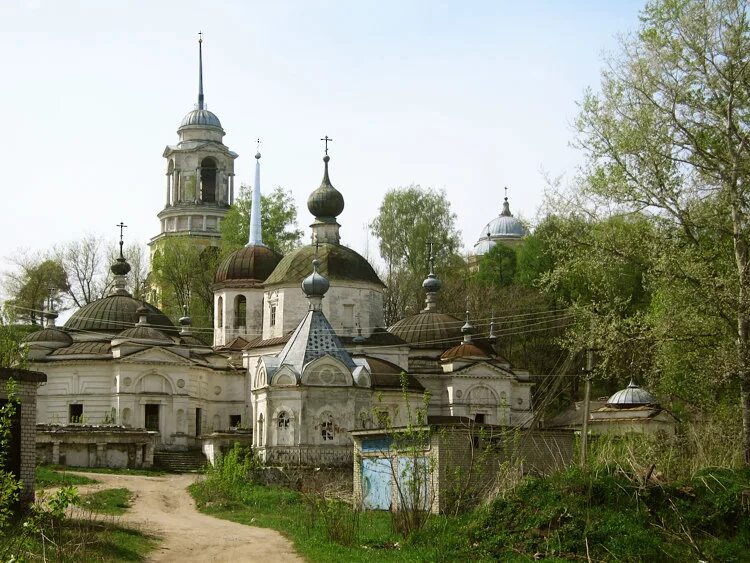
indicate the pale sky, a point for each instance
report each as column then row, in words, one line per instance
column 463, row 96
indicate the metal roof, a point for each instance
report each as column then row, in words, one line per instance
column 248, row 263
column 201, row 118
column 116, row 313
column 429, row 330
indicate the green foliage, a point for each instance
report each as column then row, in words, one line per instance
column 278, row 221
column 107, row 501
column 36, row 281
column 604, row 515
column 498, row 266
column 226, row 479
column 408, row 219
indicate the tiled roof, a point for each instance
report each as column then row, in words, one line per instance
column 314, row 338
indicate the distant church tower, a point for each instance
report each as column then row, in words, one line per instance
column 200, row 176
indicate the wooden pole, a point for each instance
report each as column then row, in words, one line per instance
column 586, row 408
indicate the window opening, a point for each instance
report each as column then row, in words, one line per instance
column 273, row 315
column 240, row 311
column 326, row 428
column 479, row 417
column 75, row 413
column 283, row 419
column 208, row 180
column 220, row 312
column 152, row 417
column 235, row 420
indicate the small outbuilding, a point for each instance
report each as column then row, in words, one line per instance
column 448, row 463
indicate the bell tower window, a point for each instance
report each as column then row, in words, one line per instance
column 240, row 312
column 208, row 180
column 220, row 312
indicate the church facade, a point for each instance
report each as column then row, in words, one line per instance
column 300, row 354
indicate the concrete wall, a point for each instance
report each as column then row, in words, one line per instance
column 94, row 446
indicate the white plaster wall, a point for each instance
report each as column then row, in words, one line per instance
column 253, row 318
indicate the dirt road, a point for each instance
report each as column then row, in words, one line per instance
column 164, row 508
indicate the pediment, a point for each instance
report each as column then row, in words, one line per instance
column 483, row 369
column 155, row 355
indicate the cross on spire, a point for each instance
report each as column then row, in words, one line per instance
column 122, row 226
column 430, row 257
column 201, row 103
column 327, row 139
column 257, row 148
column 506, row 193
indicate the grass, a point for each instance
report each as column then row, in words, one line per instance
column 108, row 501
column 47, row 476
column 288, row 512
column 80, row 540
column 112, row 470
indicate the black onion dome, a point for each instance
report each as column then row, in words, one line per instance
column 49, row 335
column 115, row 314
column 429, row 330
column 337, row 263
column 248, row 263
column 120, row 267
column 326, row 202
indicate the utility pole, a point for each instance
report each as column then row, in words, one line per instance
column 586, row 407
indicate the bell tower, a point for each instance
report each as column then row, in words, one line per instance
column 199, row 176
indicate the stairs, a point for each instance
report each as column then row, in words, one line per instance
column 179, row 462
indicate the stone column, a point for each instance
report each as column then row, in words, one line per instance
column 220, row 195
column 139, row 454
column 177, row 187
column 204, row 223
column 198, row 185
column 169, row 187
column 190, row 223
column 55, row 453
column 231, row 189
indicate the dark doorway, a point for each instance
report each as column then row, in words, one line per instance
column 479, row 418
column 152, row 417
column 198, row 420
column 208, row 180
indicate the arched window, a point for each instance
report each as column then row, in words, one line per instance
column 283, row 420
column 208, row 180
column 326, row 427
column 220, row 312
column 260, row 429
column 240, row 311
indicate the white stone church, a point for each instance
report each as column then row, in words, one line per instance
column 300, row 354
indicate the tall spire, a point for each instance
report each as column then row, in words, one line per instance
column 200, row 71
column 256, row 236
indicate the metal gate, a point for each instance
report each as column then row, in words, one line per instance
column 376, row 483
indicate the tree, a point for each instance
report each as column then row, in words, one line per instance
column 278, row 218
column 498, row 266
column 36, row 281
column 83, row 262
column 408, row 220
column 669, row 131
column 184, row 273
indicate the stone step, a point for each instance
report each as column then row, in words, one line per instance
column 179, row 461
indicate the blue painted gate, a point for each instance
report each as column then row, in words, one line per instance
column 376, row 483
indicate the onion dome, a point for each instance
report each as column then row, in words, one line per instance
column 315, row 285
column 143, row 335
column 120, row 267
column 249, row 263
column 465, row 351
column 432, row 283
column 49, row 335
column 428, row 330
column 326, row 203
column 115, row 313
column 337, row 263
column 631, row 396
column 201, row 118
column 467, row 329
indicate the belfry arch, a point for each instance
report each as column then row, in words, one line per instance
column 208, row 180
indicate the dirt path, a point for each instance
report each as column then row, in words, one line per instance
column 164, row 508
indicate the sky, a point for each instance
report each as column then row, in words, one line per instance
column 463, row 96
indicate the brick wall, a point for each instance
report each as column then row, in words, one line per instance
column 26, row 387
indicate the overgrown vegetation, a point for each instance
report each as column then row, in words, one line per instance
column 47, row 476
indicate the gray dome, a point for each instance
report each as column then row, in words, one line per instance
column 504, row 226
column 432, row 283
column 631, row 396
column 201, row 118
column 326, row 202
column 315, row 285
column 484, row 246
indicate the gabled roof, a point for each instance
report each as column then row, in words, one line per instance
column 313, row 338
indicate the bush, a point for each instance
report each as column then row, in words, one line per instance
column 227, row 478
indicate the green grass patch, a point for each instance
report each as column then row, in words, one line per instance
column 113, row 470
column 108, row 501
column 47, row 476
column 78, row 540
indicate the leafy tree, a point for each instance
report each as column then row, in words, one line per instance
column 278, row 218
column 409, row 219
column 36, row 281
column 667, row 133
column 498, row 266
